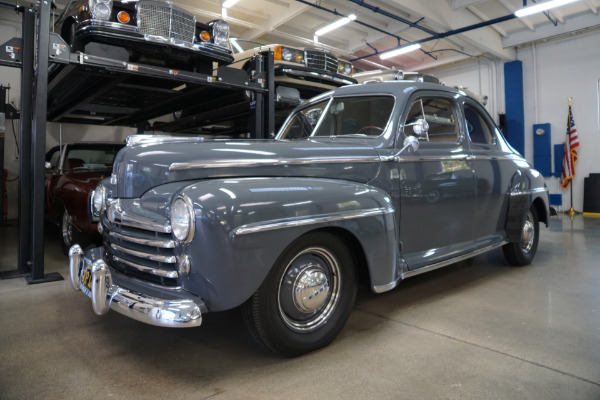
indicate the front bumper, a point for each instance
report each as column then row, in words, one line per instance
column 106, row 295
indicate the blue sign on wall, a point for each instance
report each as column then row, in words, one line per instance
column 542, row 150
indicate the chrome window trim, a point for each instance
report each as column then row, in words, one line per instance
column 228, row 163
column 282, row 224
column 165, row 244
column 146, row 256
column 148, row 270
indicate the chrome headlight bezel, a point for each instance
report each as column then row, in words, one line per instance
column 97, row 202
column 101, row 9
column 220, row 32
column 345, row 68
column 182, row 219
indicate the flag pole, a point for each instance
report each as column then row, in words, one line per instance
column 571, row 211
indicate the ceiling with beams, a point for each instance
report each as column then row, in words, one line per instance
column 384, row 24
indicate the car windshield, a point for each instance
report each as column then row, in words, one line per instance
column 80, row 156
column 344, row 116
column 239, row 46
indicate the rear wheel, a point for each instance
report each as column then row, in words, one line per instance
column 522, row 252
column 307, row 297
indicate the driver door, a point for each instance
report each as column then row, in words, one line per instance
column 437, row 184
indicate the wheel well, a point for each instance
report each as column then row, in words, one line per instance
column 542, row 212
column 356, row 251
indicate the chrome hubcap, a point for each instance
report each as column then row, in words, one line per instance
column 528, row 233
column 67, row 228
column 309, row 289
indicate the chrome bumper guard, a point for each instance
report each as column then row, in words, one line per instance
column 106, row 295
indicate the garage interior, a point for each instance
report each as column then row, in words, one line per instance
column 475, row 329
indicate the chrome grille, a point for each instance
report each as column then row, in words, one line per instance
column 323, row 60
column 136, row 246
column 160, row 19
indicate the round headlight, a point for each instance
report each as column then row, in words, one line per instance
column 98, row 200
column 182, row 219
column 287, row 54
column 220, row 33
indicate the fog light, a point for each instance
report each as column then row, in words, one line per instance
column 204, row 36
column 123, row 17
column 184, row 265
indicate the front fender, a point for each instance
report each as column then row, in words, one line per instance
column 244, row 225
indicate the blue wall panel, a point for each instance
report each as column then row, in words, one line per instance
column 513, row 97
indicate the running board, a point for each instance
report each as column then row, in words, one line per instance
column 441, row 264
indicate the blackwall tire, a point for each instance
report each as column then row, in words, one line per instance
column 522, row 252
column 306, row 299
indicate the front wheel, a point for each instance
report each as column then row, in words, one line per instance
column 307, row 297
column 522, row 252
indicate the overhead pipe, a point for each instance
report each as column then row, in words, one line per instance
column 336, row 13
column 378, row 10
column 447, row 34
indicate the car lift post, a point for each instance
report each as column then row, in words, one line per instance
column 39, row 147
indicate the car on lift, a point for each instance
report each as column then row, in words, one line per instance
column 286, row 228
column 299, row 73
column 72, row 173
column 146, row 31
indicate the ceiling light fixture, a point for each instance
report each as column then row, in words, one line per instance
column 335, row 25
column 229, row 3
column 540, row 7
column 401, row 50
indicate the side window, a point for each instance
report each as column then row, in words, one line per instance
column 478, row 128
column 440, row 114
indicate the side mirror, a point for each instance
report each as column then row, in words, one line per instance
column 411, row 143
column 420, row 127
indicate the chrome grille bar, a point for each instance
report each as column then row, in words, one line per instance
column 146, row 256
column 146, row 269
column 165, row 244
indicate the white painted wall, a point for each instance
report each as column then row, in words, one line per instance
column 10, row 26
column 553, row 71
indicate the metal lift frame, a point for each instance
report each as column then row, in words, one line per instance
column 50, row 48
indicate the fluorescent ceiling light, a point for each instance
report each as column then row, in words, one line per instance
column 540, row 7
column 229, row 3
column 335, row 25
column 401, row 50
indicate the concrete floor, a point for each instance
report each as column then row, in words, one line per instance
column 479, row 329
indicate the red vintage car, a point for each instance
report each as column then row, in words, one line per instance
column 72, row 173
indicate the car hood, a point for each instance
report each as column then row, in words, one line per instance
column 141, row 167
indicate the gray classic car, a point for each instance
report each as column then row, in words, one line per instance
column 285, row 228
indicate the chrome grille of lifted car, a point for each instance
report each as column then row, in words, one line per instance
column 136, row 246
column 319, row 59
column 159, row 19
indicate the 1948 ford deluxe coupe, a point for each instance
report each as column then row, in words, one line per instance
column 386, row 181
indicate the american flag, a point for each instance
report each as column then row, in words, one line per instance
column 570, row 154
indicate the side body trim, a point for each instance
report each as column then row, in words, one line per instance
column 272, row 225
